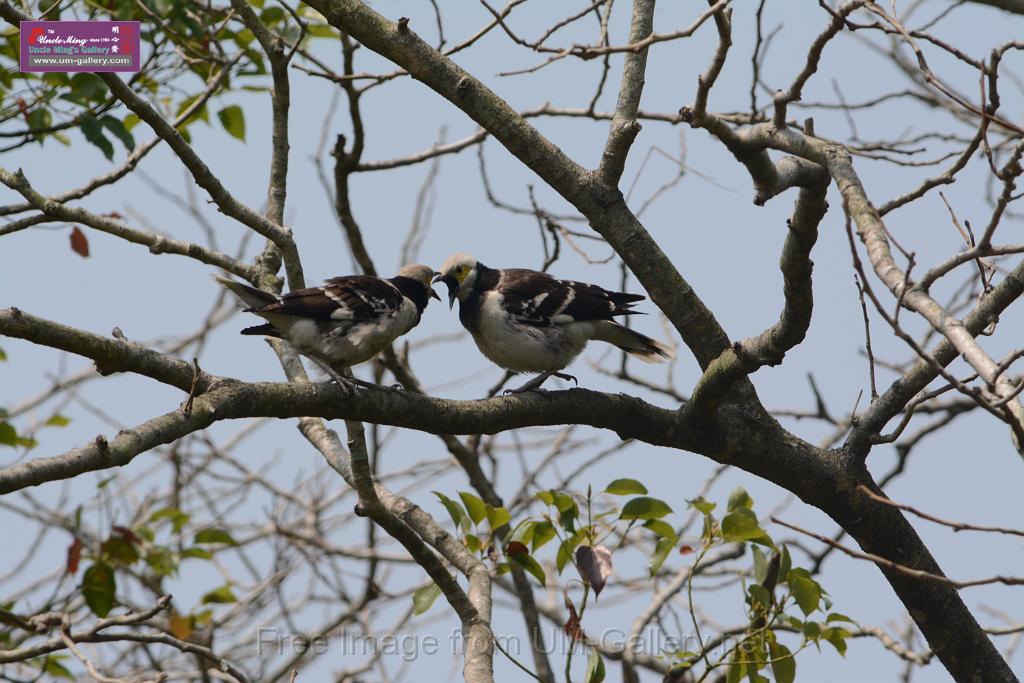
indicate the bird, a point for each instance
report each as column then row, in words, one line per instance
column 528, row 321
column 345, row 322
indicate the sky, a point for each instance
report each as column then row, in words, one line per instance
column 726, row 247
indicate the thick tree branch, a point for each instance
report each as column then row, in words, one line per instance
column 825, row 479
column 770, row 347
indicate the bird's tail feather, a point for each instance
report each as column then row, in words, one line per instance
column 250, row 296
column 267, row 330
column 635, row 344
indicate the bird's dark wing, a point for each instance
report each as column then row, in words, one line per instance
column 358, row 298
column 539, row 299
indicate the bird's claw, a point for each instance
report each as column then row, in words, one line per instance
column 524, row 390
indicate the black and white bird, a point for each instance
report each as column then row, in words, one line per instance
column 527, row 321
column 345, row 322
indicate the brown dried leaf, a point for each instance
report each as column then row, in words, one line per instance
column 595, row 565
column 180, row 627
column 572, row 624
column 74, row 555
column 516, row 548
column 79, row 244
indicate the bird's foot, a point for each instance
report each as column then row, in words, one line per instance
column 532, row 385
column 567, row 377
column 340, row 380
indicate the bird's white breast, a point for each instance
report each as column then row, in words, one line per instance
column 526, row 348
column 347, row 343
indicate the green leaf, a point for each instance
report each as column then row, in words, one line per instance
column 661, row 528
column 196, row 553
column 473, row 543
column 178, row 518
column 836, row 616
column 523, row 532
column 760, row 564
column 595, row 667
column 546, row 497
column 424, row 597
column 474, row 506
column 543, row 532
column 88, row 86
column 161, row 561
column 812, row 631
column 568, row 510
column 785, row 562
column 321, row 31
column 564, row 501
column 214, row 536
column 119, row 551
column 565, row 551
column 567, row 519
column 531, row 565
column 837, row 637
column 98, row 588
column 8, row 435
column 220, row 595
column 58, row 421
column 661, row 550
column 806, row 592
column 118, row 130
column 760, row 598
column 93, row 132
column 735, row 672
column 272, row 15
column 51, row 665
column 200, row 114
column 454, row 511
column 233, row 120
column 131, row 120
column 497, row 517
column 738, row 499
column 40, row 119
column 741, row 525
column 702, row 506
column 645, row 508
column 625, row 487
column 3, row 356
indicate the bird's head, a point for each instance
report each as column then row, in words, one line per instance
column 422, row 274
column 458, row 273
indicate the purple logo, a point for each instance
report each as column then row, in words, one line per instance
column 80, row 46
